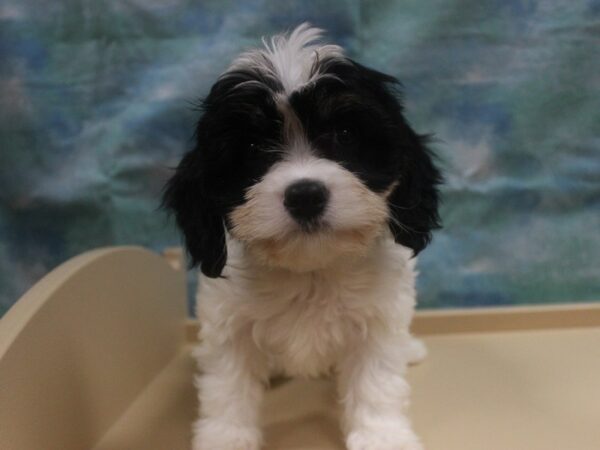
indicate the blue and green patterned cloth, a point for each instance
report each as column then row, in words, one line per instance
column 96, row 106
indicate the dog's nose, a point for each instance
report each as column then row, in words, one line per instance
column 306, row 199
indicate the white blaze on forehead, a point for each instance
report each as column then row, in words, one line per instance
column 293, row 131
column 290, row 58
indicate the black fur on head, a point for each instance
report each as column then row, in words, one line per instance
column 351, row 115
column 211, row 179
column 414, row 202
column 384, row 150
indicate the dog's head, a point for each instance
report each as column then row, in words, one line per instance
column 304, row 156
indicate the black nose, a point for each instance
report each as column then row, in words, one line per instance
column 306, row 200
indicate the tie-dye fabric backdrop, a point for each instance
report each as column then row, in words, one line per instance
column 96, row 105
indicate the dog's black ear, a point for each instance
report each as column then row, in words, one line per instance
column 414, row 202
column 198, row 215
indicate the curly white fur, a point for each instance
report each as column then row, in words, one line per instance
column 352, row 319
column 289, row 59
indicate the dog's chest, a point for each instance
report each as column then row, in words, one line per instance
column 304, row 324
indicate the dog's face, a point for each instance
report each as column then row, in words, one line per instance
column 304, row 156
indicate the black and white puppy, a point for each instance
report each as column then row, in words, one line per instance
column 304, row 202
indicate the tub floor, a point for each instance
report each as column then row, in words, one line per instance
column 534, row 390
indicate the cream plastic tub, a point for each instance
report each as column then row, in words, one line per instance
column 96, row 356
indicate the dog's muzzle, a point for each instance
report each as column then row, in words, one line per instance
column 305, row 200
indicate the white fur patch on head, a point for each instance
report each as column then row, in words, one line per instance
column 289, row 58
column 354, row 217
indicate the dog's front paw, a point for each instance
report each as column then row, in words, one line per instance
column 211, row 434
column 388, row 438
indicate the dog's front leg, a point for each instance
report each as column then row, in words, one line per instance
column 230, row 391
column 375, row 395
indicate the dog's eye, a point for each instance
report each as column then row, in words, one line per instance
column 345, row 137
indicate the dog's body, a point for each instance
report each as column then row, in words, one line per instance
column 304, row 202
column 342, row 319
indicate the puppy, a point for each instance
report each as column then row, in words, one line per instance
column 304, row 201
